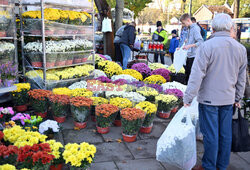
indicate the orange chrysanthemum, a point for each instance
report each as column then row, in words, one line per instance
column 132, row 114
column 106, row 110
column 39, row 94
column 81, row 101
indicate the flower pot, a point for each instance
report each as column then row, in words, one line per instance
column 146, row 129
column 2, row 34
column 56, row 167
column 59, row 119
column 82, row 31
column 84, row 60
column 69, row 62
column 21, row 108
column 60, row 32
column 36, row 32
column 102, row 130
column 129, row 138
column 60, row 63
column 174, row 110
column 50, row 64
column 77, row 60
column 49, row 32
column 37, row 64
column 164, row 115
column 50, row 136
column 5, row 2
column 118, row 123
column 43, row 115
column 93, row 118
column 80, row 125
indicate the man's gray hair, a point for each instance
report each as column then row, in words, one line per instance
column 222, row 22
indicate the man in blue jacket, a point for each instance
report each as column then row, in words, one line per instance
column 127, row 42
column 174, row 43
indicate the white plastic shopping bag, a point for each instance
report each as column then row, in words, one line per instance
column 177, row 145
column 137, row 44
column 106, row 25
column 180, row 57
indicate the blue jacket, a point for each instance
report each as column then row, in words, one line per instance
column 174, row 43
column 128, row 35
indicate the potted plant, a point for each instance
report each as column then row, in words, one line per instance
column 49, row 128
column 150, row 110
column 132, row 120
column 57, row 150
column 20, row 117
column 8, row 73
column 105, row 115
column 142, row 68
column 96, row 101
column 33, row 121
column 178, row 77
column 6, row 113
column 177, row 93
column 39, row 101
column 121, row 103
column 148, row 92
column 8, row 154
column 163, row 72
column 165, row 104
column 20, row 96
column 72, row 152
column 155, row 79
column 80, row 108
column 59, row 106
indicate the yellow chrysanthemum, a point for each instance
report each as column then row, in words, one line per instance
column 62, row 91
column 121, row 102
column 7, row 167
column 148, row 107
column 81, row 92
column 21, row 87
column 133, row 73
column 155, row 79
column 172, row 69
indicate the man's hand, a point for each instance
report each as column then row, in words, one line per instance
column 177, row 49
column 187, row 105
column 237, row 105
column 186, row 47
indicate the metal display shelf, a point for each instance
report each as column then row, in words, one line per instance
column 7, row 89
column 85, row 32
column 6, row 6
column 69, row 52
column 7, row 38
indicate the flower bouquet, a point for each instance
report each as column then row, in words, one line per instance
column 80, row 108
column 177, row 93
column 142, row 68
column 179, row 77
column 150, row 110
column 39, row 101
column 49, row 128
column 96, row 101
column 79, row 155
column 165, row 104
column 8, row 74
column 155, row 79
column 136, row 74
column 121, row 103
column 148, row 92
column 57, row 149
column 59, row 107
column 20, row 117
column 132, row 120
column 105, row 115
column 6, row 114
column 20, row 96
column 163, row 72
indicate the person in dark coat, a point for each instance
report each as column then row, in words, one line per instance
column 127, row 42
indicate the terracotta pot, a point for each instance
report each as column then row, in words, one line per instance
column 60, row 63
column 129, row 138
column 93, row 118
column 21, row 108
column 102, row 130
column 77, row 60
column 69, row 62
column 164, row 115
column 2, row 34
column 49, row 32
column 84, row 60
column 37, row 64
column 36, row 32
column 146, row 129
column 118, row 123
column 43, row 115
column 56, row 167
column 51, row 64
column 174, row 110
column 60, row 119
column 80, row 125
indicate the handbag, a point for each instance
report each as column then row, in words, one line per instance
column 240, row 134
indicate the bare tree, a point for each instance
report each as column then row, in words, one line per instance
column 236, row 8
column 118, row 14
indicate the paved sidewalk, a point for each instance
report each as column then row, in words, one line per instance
column 112, row 154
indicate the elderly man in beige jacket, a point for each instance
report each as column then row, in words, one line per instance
column 218, row 76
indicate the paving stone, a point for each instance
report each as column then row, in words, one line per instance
column 157, row 130
column 83, row 135
column 114, row 134
column 157, row 119
column 143, row 148
column 104, row 166
column 245, row 156
column 113, row 151
column 140, row 164
column 68, row 124
column 170, row 167
column 59, row 137
column 238, row 163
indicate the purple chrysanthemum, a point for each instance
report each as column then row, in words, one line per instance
column 156, row 87
column 120, row 82
column 104, row 79
column 142, row 68
column 163, row 72
column 178, row 93
column 138, row 83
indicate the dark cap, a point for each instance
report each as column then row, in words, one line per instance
column 173, row 32
column 158, row 24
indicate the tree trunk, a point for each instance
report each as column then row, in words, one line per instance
column 118, row 14
column 236, row 8
column 108, row 38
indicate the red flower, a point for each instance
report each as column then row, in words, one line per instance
column 1, row 135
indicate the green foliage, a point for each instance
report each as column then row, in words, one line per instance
column 163, row 107
column 131, row 127
column 148, row 120
column 20, row 98
column 34, row 121
column 59, row 110
column 80, row 114
column 105, row 121
column 39, row 106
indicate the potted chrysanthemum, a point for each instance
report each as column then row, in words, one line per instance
column 132, row 120
column 105, row 115
column 20, row 96
column 165, row 104
column 142, row 68
column 59, row 107
column 155, row 79
column 57, row 150
column 150, row 110
column 179, row 77
column 80, row 108
column 177, row 93
column 148, row 92
column 96, row 101
column 49, row 128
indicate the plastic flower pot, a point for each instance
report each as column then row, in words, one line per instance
column 82, row 31
column 56, row 167
column 2, row 34
column 146, row 129
column 21, row 108
column 80, row 125
column 4, row 2
column 164, row 115
column 60, row 32
column 118, row 123
column 102, row 130
column 69, row 62
column 59, row 119
column 84, row 60
column 60, row 63
column 93, row 118
column 49, row 32
column 43, row 115
column 77, row 60
column 174, row 110
column 129, row 138
column 36, row 32
column 37, row 64
column 50, row 64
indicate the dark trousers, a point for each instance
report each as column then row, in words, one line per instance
column 172, row 57
column 118, row 53
column 216, row 127
column 161, row 56
column 188, row 68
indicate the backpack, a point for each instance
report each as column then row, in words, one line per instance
column 202, row 31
